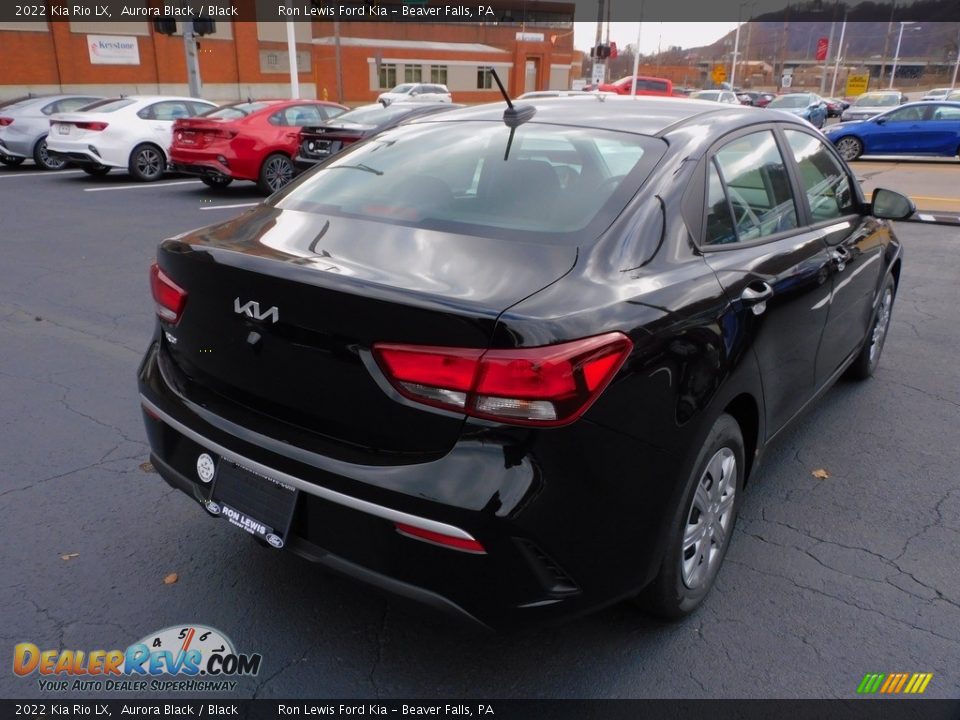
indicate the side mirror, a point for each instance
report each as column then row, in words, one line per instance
column 881, row 121
column 891, row 205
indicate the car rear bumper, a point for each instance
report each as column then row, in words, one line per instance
column 10, row 147
column 212, row 162
column 550, row 549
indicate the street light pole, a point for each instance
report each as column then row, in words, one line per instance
column 836, row 67
column 636, row 54
column 736, row 49
column 193, row 62
column 896, row 54
column 956, row 65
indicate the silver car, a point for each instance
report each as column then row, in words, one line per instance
column 416, row 92
column 24, row 125
column 721, row 96
column 873, row 103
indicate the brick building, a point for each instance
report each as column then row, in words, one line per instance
column 250, row 59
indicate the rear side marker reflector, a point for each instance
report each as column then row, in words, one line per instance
column 543, row 386
column 454, row 543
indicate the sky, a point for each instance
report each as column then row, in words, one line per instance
column 685, row 34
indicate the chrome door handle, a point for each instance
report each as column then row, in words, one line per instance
column 840, row 257
column 755, row 296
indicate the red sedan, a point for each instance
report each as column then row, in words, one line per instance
column 254, row 140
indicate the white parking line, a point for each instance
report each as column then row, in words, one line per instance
column 50, row 173
column 142, row 185
column 227, row 207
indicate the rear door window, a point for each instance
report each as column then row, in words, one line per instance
column 755, row 181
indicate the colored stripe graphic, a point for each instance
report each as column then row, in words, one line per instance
column 894, row 683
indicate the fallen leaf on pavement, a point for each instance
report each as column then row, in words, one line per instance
column 69, row 556
column 147, row 467
column 820, row 474
column 171, row 579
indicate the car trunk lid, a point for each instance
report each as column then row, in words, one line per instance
column 283, row 307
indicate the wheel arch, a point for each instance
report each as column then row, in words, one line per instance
column 746, row 411
column 151, row 143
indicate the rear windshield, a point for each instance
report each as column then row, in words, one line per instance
column 705, row 95
column 791, row 101
column 557, row 185
column 877, row 100
column 374, row 114
column 234, row 112
column 109, row 105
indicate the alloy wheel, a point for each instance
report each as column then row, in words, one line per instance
column 278, row 173
column 880, row 326
column 149, row 163
column 709, row 519
column 46, row 161
column 849, row 148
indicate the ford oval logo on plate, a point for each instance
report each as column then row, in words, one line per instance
column 275, row 540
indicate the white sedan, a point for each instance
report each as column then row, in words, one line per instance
column 132, row 132
column 416, row 92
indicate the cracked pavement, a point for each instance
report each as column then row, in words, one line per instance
column 826, row 579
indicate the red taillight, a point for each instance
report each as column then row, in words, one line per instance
column 5, row 121
column 225, row 134
column 169, row 297
column 543, row 386
column 97, row 126
column 457, row 543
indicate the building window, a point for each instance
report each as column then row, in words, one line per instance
column 388, row 75
column 413, row 73
column 438, row 74
column 484, row 78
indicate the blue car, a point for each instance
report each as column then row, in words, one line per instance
column 917, row 128
column 809, row 106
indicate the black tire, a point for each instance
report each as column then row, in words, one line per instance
column 43, row 160
column 869, row 358
column 686, row 576
column 216, row 181
column 95, row 170
column 147, row 162
column 11, row 161
column 849, row 147
column 275, row 173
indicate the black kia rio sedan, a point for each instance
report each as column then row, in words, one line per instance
column 519, row 364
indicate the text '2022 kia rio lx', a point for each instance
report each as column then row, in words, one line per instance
column 519, row 366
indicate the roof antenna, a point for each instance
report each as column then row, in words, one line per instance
column 513, row 116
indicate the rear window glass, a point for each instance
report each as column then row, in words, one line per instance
column 234, row 112
column 557, row 184
column 105, row 106
column 373, row 115
column 877, row 101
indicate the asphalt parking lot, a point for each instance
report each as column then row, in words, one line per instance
column 827, row 579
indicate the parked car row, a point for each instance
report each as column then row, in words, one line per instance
column 25, row 124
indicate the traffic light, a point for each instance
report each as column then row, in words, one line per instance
column 166, row 26
column 602, row 52
column 204, row 26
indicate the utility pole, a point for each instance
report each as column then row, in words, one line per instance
column 598, row 66
column 193, row 62
column 736, row 50
column 336, row 53
column 294, row 68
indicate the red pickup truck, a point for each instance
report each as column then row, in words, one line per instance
column 645, row 86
